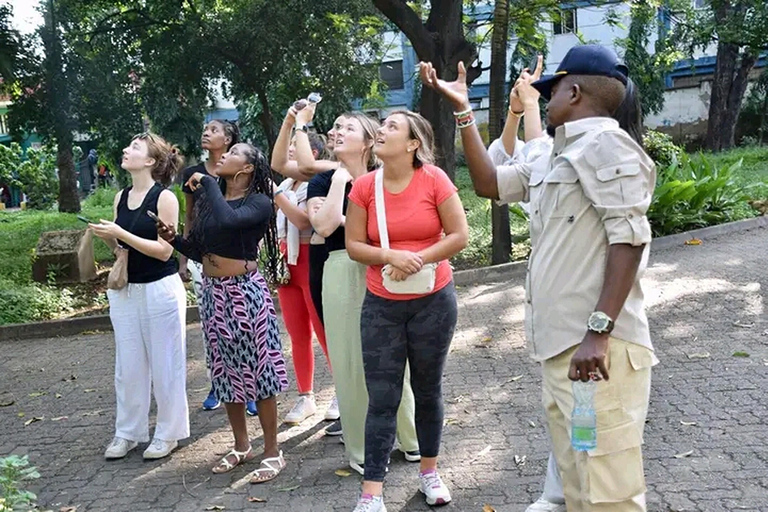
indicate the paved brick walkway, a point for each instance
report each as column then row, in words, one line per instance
column 703, row 300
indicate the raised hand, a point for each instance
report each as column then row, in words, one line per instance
column 456, row 92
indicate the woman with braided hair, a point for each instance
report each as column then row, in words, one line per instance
column 240, row 327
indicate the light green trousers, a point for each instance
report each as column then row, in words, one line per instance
column 343, row 293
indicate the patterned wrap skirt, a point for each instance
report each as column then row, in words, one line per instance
column 243, row 348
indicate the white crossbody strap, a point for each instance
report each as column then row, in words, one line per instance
column 381, row 215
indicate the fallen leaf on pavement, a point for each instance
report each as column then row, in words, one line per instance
column 89, row 390
column 33, row 420
column 687, row 423
column 342, row 472
column 693, row 241
column 488, row 508
column 254, row 499
column 532, row 424
column 68, row 509
column 57, row 395
column 699, row 355
column 289, row 489
column 738, row 323
column 684, row 455
column 60, row 418
column 37, row 394
column 92, row 413
column 21, row 415
column 515, row 379
column 70, row 378
column 215, row 507
column 521, row 460
column 458, row 399
column 451, row 421
column 740, row 354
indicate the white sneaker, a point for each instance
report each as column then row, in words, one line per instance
column 159, row 449
column 368, row 503
column 119, row 448
column 543, row 505
column 304, row 408
column 433, row 488
column 332, row 414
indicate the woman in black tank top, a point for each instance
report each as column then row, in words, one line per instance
column 148, row 314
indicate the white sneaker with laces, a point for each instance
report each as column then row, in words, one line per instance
column 119, row 448
column 304, row 408
column 543, row 505
column 332, row 413
column 159, row 449
column 433, row 488
column 369, row 503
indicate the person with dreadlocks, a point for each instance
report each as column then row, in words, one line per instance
column 240, row 326
column 218, row 137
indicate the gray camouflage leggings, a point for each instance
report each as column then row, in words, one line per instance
column 419, row 330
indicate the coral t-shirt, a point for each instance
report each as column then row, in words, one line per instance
column 413, row 221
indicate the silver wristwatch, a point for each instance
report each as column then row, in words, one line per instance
column 600, row 323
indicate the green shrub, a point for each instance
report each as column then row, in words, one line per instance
column 102, row 197
column 661, row 149
column 13, row 474
column 694, row 193
column 32, row 302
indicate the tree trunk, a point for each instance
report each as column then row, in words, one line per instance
column 69, row 199
column 762, row 116
column 58, row 90
column 502, row 239
column 267, row 121
column 440, row 41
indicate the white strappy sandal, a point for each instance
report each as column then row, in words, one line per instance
column 268, row 469
column 224, row 466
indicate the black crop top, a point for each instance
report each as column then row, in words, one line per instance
column 319, row 186
column 143, row 268
column 233, row 229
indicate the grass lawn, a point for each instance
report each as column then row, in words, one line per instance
column 754, row 167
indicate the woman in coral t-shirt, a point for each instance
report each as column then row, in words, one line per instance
column 411, row 314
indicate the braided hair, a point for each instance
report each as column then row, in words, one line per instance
column 268, row 255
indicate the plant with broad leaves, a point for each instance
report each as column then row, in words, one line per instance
column 14, row 472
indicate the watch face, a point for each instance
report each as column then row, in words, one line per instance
column 599, row 323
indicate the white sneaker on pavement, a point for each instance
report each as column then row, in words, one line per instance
column 159, row 449
column 332, row 413
column 304, row 408
column 433, row 488
column 119, row 448
column 369, row 503
column 543, row 505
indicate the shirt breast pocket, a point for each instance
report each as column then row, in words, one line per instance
column 563, row 196
column 618, row 185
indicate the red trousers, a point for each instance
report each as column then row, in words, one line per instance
column 300, row 318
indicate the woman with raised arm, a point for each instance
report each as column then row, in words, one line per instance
column 299, row 313
column 240, row 326
column 405, row 221
column 149, row 313
column 344, row 289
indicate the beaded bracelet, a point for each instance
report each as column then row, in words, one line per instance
column 465, row 122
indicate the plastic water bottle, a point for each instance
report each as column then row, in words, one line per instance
column 584, row 419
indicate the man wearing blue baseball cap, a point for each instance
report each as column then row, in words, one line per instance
column 585, row 313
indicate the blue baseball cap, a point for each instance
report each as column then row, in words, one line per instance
column 588, row 59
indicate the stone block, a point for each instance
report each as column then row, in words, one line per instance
column 67, row 254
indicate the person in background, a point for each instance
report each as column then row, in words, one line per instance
column 299, row 313
column 425, row 226
column 240, row 326
column 305, row 166
column 149, row 314
column 590, row 238
column 344, row 289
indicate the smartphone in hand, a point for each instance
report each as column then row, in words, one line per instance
column 153, row 216
column 85, row 219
